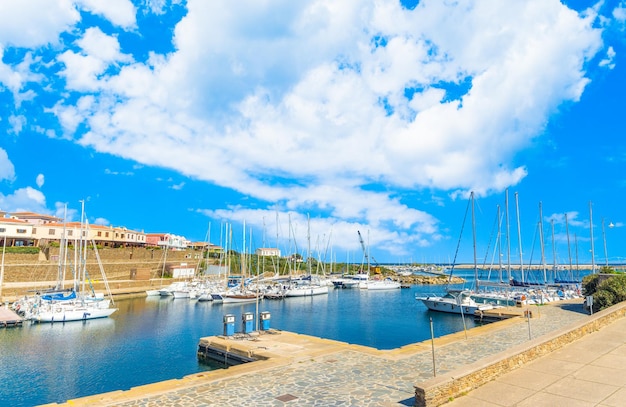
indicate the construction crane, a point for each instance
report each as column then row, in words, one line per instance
column 367, row 257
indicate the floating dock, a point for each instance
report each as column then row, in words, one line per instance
column 8, row 318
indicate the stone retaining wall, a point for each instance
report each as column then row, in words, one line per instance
column 117, row 263
column 441, row 389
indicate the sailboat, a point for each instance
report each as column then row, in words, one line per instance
column 308, row 285
column 76, row 304
column 242, row 293
column 374, row 284
column 457, row 301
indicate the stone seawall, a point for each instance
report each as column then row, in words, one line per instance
column 27, row 272
column 117, row 263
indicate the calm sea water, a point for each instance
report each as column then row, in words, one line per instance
column 154, row 339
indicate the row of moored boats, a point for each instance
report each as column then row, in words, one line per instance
column 238, row 290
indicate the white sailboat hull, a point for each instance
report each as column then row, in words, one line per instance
column 382, row 285
column 239, row 298
column 78, row 313
column 306, row 291
column 437, row 304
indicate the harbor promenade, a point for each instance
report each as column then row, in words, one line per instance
column 301, row 370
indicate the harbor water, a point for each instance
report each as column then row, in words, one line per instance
column 154, row 339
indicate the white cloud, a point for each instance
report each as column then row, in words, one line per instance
column 619, row 13
column 118, row 12
column 101, row 221
column 83, row 70
column 608, row 61
column 336, row 97
column 40, row 180
column 104, row 47
column 63, row 211
column 33, row 23
column 17, row 123
column 7, row 170
column 24, row 199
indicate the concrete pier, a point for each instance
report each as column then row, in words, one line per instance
column 301, row 370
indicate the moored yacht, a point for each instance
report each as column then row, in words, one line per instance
column 455, row 302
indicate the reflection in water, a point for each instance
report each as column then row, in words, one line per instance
column 154, row 339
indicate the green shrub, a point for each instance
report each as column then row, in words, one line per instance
column 616, row 285
column 22, row 249
column 590, row 284
column 606, row 290
column 602, row 299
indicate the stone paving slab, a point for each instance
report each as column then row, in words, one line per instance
column 344, row 374
column 590, row 371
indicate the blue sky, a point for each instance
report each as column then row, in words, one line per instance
column 371, row 116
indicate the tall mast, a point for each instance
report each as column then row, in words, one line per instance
column 4, row 248
column 243, row 256
column 569, row 250
column 553, row 249
column 519, row 238
column 508, row 235
column 308, row 236
column 606, row 253
column 499, row 245
column 541, row 242
column 474, row 240
column 593, row 261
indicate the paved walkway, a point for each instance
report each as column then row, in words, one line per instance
column 588, row 372
column 339, row 374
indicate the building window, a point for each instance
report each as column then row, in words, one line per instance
column 21, row 231
column 106, row 234
column 99, row 234
column 2, row 230
column 34, row 230
column 70, row 232
column 51, row 232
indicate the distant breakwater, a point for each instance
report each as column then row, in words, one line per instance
column 415, row 279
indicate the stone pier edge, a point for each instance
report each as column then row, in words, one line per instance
column 442, row 389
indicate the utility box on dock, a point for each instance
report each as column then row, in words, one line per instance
column 229, row 325
column 248, row 322
column 265, row 320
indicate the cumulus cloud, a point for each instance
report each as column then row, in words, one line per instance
column 336, row 106
column 33, row 23
column 7, row 170
column 101, row 221
column 24, row 199
column 118, row 12
column 40, row 180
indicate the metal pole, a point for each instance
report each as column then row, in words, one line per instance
column 593, row 262
column 528, row 319
column 4, row 247
column 606, row 254
column 432, row 341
